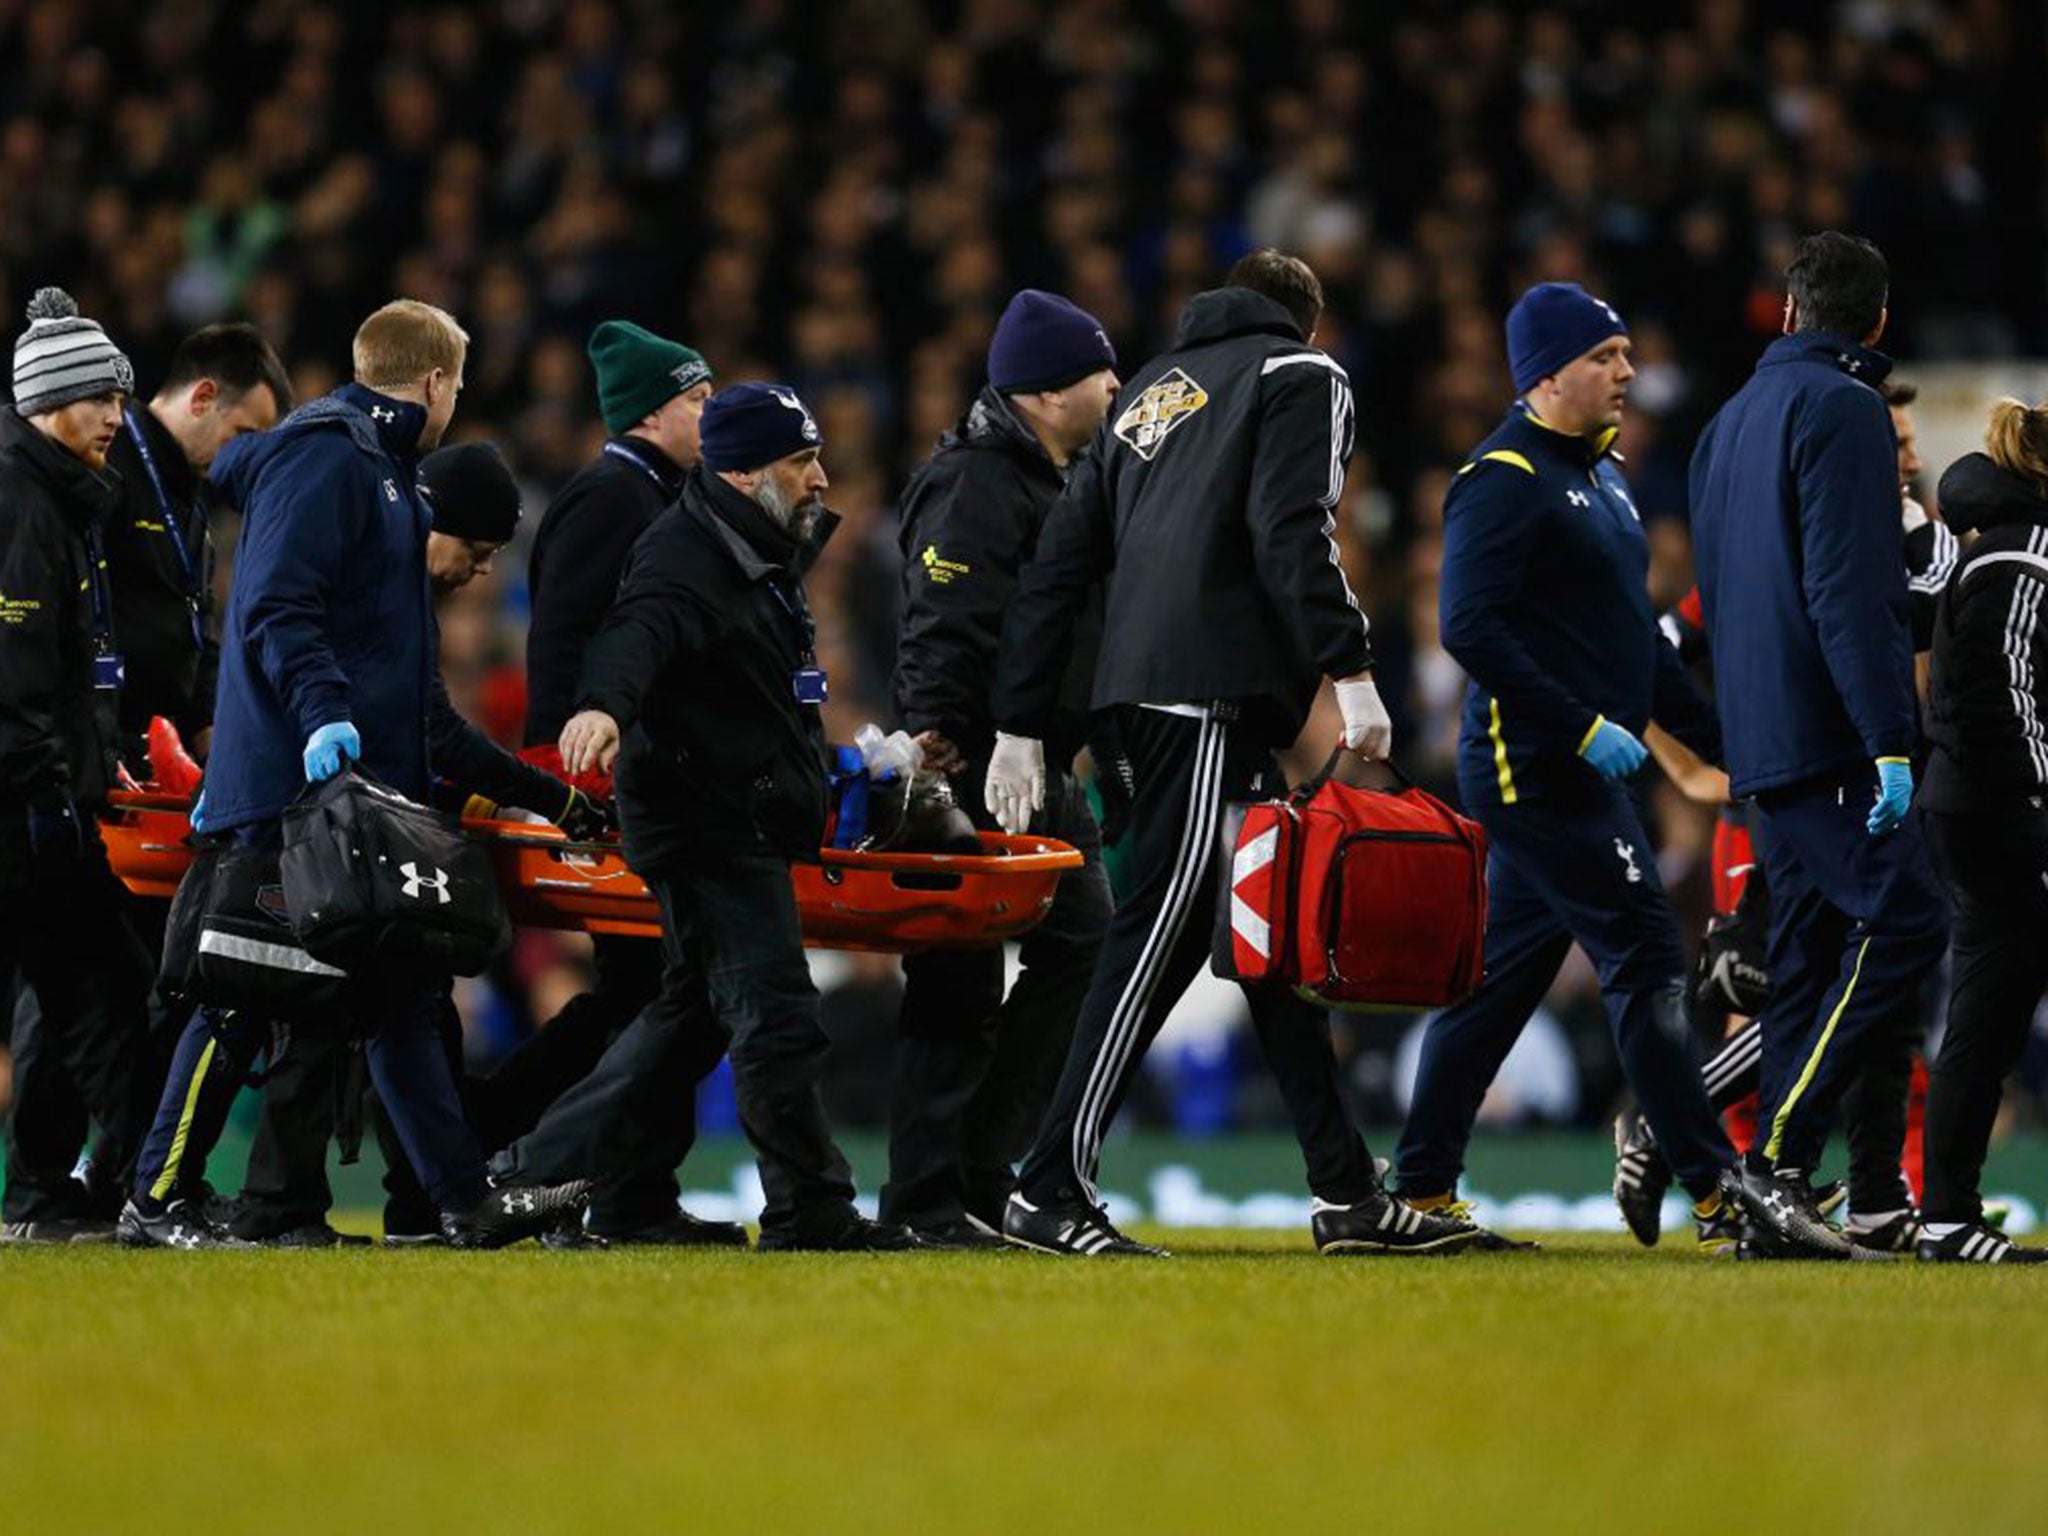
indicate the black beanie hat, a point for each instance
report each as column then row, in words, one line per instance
column 471, row 492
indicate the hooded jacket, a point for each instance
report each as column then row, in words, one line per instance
column 1545, row 603
column 969, row 521
column 330, row 618
column 57, row 732
column 573, row 577
column 1989, row 689
column 1795, row 525
column 1208, row 504
column 696, row 662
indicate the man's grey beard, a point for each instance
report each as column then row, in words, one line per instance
column 795, row 518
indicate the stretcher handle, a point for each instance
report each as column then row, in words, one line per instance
column 1308, row 788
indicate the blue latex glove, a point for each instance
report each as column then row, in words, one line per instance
column 328, row 748
column 198, row 814
column 1614, row 752
column 1894, row 795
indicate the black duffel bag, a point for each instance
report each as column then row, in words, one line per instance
column 229, row 942
column 382, row 886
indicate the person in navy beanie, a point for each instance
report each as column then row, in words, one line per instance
column 1546, row 605
column 1045, row 342
column 973, row 1069
column 1552, row 324
column 703, row 686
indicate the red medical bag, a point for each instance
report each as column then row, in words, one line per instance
column 1361, row 898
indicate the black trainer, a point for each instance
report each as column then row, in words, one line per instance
column 1382, row 1223
column 177, row 1225
column 1976, row 1243
column 679, row 1230
column 1886, row 1231
column 963, row 1236
column 1782, row 1209
column 58, row 1230
column 315, row 1234
column 1719, row 1231
column 511, row 1212
column 1641, row 1178
column 854, row 1234
column 1070, row 1227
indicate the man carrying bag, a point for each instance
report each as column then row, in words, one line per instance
column 326, row 661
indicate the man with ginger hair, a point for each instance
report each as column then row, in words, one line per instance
column 326, row 661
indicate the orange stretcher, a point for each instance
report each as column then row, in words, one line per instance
column 893, row 903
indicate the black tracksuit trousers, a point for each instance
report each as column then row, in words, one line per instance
column 1995, row 863
column 1186, row 769
column 81, row 1049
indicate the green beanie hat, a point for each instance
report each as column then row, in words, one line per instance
column 639, row 372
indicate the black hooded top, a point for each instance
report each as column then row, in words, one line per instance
column 1989, row 692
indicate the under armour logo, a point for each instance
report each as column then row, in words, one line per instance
column 1578, row 498
column 1627, row 855
column 379, row 413
column 391, row 492
column 520, row 1201
column 415, row 882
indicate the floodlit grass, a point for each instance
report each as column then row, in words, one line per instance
column 1245, row 1386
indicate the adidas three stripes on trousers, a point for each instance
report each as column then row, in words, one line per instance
column 1187, row 767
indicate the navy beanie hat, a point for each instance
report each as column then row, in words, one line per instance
column 748, row 425
column 472, row 492
column 1046, row 342
column 1550, row 325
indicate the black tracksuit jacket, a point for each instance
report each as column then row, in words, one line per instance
column 168, row 672
column 1208, row 504
column 573, row 575
column 696, row 662
column 57, row 732
column 970, row 518
column 1988, row 694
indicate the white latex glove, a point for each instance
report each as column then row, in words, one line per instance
column 1367, row 728
column 590, row 740
column 1016, row 781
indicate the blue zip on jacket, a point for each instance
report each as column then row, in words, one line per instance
column 1544, row 601
column 330, row 617
column 1795, row 528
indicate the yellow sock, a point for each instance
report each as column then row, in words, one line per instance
column 1429, row 1202
column 1702, row 1209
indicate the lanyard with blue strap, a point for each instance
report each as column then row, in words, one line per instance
column 621, row 451
column 809, row 680
column 188, row 561
column 108, row 671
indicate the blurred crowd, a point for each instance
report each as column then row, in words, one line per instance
column 844, row 196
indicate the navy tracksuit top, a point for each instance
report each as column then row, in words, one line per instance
column 1545, row 603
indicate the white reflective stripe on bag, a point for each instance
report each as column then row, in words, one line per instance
column 278, row 957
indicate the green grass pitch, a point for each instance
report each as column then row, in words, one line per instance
column 1245, row 1386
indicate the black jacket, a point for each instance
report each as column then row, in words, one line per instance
column 57, row 732
column 159, row 593
column 1989, row 690
column 971, row 516
column 696, row 662
column 573, row 577
column 1208, row 502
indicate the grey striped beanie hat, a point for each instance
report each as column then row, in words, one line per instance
column 63, row 357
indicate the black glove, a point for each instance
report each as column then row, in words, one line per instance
column 586, row 818
column 56, row 832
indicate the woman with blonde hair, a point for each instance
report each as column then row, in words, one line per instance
column 1987, row 781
